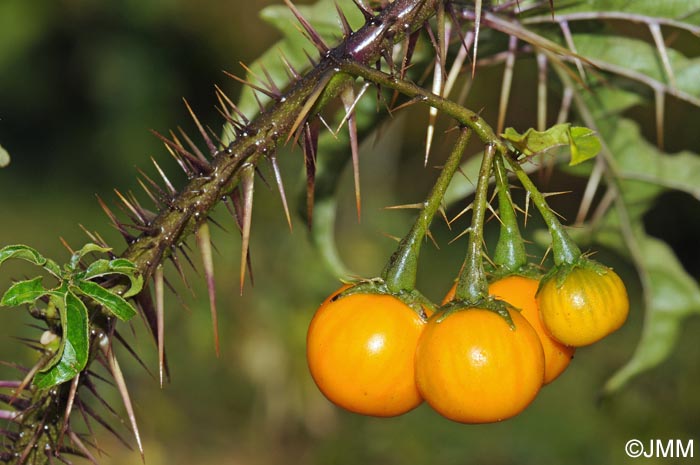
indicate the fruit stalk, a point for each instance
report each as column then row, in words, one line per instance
column 472, row 285
column 400, row 272
column 564, row 249
column 510, row 255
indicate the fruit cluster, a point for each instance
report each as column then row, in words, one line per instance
column 380, row 348
column 373, row 354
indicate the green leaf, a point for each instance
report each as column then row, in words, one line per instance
column 647, row 171
column 687, row 11
column 86, row 249
column 23, row 292
column 641, row 57
column 583, row 142
column 56, row 299
column 672, row 296
column 121, row 266
column 74, row 347
column 111, row 301
column 644, row 171
column 24, row 252
column 4, row 157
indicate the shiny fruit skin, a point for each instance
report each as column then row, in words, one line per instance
column 472, row 367
column 361, row 353
column 520, row 291
column 587, row 306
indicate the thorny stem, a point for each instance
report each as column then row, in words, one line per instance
column 463, row 115
column 187, row 210
column 400, row 272
column 510, row 252
column 564, row 249
column 472, row 285
column 191, row 207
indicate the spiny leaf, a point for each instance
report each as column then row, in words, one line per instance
column 583, row 142
column 23, row 292
column 112, row 302
column 74, row 341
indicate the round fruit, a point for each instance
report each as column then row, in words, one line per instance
column 472, row 367
column 520, row 292
column 361, row 353
column 590, row 303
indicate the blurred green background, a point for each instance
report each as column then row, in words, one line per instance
column 82, row 81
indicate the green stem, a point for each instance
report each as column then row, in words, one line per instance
column 472, row 285
column 564, row 249
column 463, row 115
column 510, row 250
column 400, row 272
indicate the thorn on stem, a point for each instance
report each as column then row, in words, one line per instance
column 247, row 185
column 205, row 248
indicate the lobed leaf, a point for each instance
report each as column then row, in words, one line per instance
column 583, row 142
column 23, row 292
